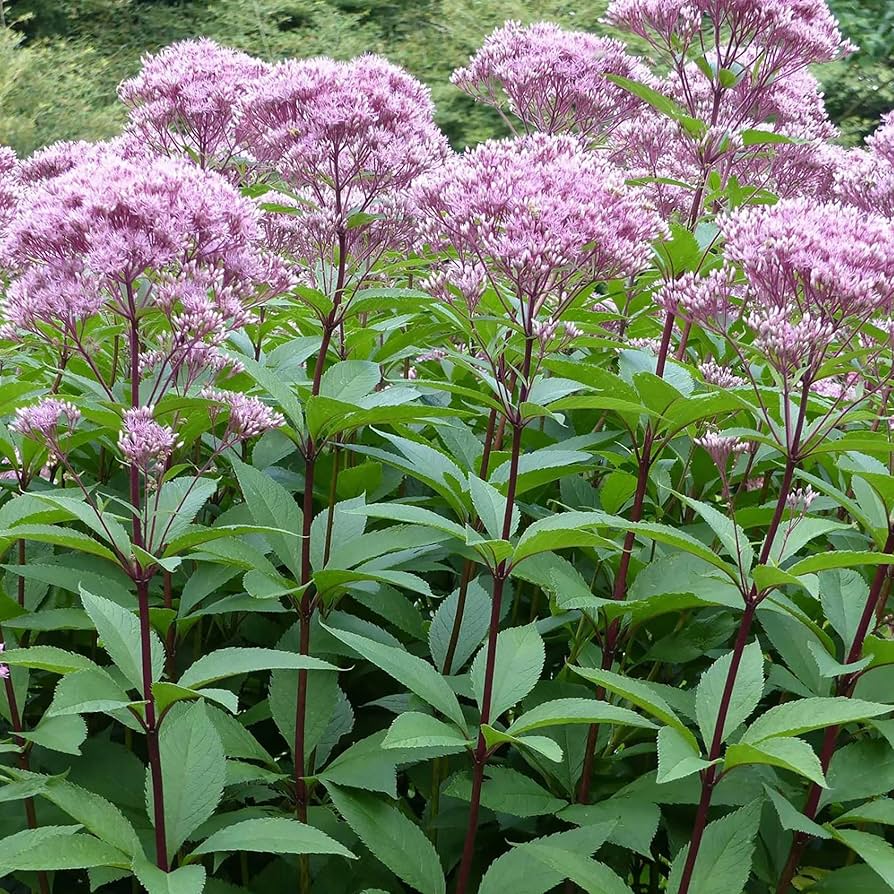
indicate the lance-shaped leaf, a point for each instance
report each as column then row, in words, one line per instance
column 236, row 660
column 576, row 710
column 807, row 714
column 520, row 655
column 271, row 835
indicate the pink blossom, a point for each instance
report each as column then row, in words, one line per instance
column 348, row 138
column 185, row 98
column 706, row 300
column 83, row 238
column 247, row 416
column 42, row 420
column 715, row 374
column 8, row 182
column 553, row 80
column 540, row 214
column 143, row 442
column 801, row 499
column 792, row 33
column 721, row 447
column 4, row 668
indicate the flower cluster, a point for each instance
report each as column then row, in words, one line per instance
column 540, row 214
column 707, row 300
column 720, row 448
column 553, row 80
column 143, row 442
column 348, row 138
column 246, row 416
column 814, row 271
column 184, row 100
column 791, row 33
column 45, row 421
column 86, row 236
column 8, row 182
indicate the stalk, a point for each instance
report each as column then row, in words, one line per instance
column 141, row 579
column 501, row 574
column 306, row 605
column 845, row 687
column 752, row 600
column 619, row 591
column 18, row 727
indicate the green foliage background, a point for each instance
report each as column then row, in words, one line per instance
column 60, row 60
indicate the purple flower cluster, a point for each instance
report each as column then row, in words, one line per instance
column 246, row 416
column 185, row 98
column 553, row 80
column 143, row 442
column 84, row 238
column 791, row 33
column 45, row 421
column 539, row 215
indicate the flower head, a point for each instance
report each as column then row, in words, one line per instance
column 721, row 447
column 143, row 442
column 44, row 420
column 184, row 100
column 4, row 668
column 720, row 376
column 791, row 33
column 8, row 182
column 537, row 213
column 706, row 300
column 553, row 80
column 84, row 237
column 247, row 416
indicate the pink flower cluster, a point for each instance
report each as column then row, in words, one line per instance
column 185, row 98
column 553, row 80
column 84, row 238
column 44, row 421
column 8, row 182
column 791, row 33
column 538, row 214
column 246, row 417
column 815, row 272
column 143, row 442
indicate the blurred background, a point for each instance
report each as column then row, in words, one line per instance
column 60, row 60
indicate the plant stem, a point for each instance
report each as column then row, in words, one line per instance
column 501, row 574
column 18, row 727
column 845, row 687
column 142, row 583
column 619, row 591
column 306, row 606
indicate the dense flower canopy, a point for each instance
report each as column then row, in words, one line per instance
column 86, row 236
column 184, row 100
column 553, row 80
column 537, row 213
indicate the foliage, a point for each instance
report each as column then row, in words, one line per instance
column 376, row 517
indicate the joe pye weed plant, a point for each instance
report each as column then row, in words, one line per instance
column 380, row 517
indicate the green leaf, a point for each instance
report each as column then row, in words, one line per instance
column 724, row 858
column 677, row 756
column 521, row 872
column 48, row 658
column 590, row 875
column 57, row 852
column 792, row 819
column 392, row 838
column 640, row 694
column 747, row 691
column 875, row 851
column 417, row 675
column 807, row 714
column 838, row 559
column 65, row 734
column 185, row 880
column 542, row 745
column 272, row 506
column 788, row 753
column 880, row 811
column 66, row 537
column 366, row 764
column 576, row 710
column 235, row 660
column 490, row 505
column 506, row 791
column 193, row 773
column 272, row 835
column 86, row 692
column 350, row 380
column 414, row 730
column 659, row 101
column 119, row 631
column 519, row 662
column 271, row 382
column 472, row 630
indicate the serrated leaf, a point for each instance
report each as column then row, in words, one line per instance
column 272, row 835
column 245, row 660
column 119, row 630
column 785, row 752
column 184, row 880
column 677, row 757
column 392, row 838
column 414, row 730
column 807, row 714
column 507, row 791
column 576, row 710
column 519, row 662
column 193, row 773
column 747, row 691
